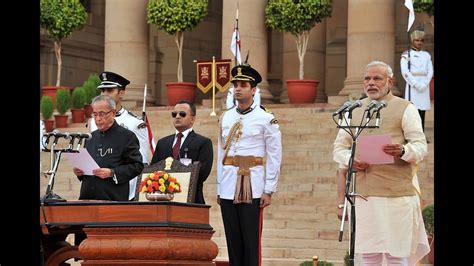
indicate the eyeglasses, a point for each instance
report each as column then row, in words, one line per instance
column 181, row 113
column 101, row 114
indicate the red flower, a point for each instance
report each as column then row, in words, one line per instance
column 156, row 181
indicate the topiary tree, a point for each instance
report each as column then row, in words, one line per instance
column 63, row 101
column 175, row 17
column 78, row 98
column 425, row 6
column 60, row 18
column 46, row 107
column 297, row 17
column 90, row 87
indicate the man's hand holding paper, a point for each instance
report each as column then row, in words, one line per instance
column 377, row 149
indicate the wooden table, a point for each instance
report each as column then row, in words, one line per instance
column 128, row 233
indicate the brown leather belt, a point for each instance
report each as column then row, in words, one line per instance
column 418, row 74
column 243, row 161
column 243, row 186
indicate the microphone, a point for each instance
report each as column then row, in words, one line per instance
column 380, row 105
column 354, row 105
column 371, row 105
column 58, row 135
column 342, row 108
column 81, row 135
column 377, row 108
column 82, row 139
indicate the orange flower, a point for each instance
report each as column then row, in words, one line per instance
column 160, row 181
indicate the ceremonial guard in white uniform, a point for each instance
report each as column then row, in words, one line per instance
column 245, row 180
column 114, row 85
column 417, row 70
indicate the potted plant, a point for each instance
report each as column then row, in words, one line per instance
column 90, row 91
column 78, row 100
column 298, row 18
column 63, row 103
column 46, row 107
column 60, row 18
column 175, row 17
column 428, row 219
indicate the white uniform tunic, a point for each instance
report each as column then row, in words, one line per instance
column 260, row 137
column 131, row 122
column 419, row 77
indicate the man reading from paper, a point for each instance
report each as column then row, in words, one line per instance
column 389, row 223
column 116, row 150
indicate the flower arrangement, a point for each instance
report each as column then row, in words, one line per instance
column 160, row 181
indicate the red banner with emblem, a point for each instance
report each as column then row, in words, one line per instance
column 223, row 74
column 205, row 77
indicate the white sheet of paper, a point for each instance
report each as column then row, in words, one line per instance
column 82, row 160
column 370, row 149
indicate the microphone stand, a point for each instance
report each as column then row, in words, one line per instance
column 349, row 196
column 50, row 196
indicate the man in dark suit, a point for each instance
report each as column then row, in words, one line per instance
column 117, row 152
column 186, row 144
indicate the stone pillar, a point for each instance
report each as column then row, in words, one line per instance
column 253, row 36
column 314, row 60
column 368, row 38
column 126, row 46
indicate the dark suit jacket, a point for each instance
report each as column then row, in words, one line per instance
column 198, row 148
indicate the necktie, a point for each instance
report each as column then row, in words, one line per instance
column 177, row 145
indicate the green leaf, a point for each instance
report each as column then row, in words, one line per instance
column 61, row 17
column 174, row 16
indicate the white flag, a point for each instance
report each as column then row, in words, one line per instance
column 235, row 45
column 411, row 13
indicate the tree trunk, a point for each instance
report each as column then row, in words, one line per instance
column 301, row 45
column 179, row 42
column 57, row 52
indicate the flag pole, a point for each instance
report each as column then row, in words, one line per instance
column 213, row 113
column 237, row 33
column 411, row 18
column 147, row 123
column 144, row 103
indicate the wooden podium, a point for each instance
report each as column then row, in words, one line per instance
column 128, row 233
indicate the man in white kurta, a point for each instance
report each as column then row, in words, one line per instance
column 418, row 76
column 389, row 224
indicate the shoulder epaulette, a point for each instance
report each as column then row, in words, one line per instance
column 265, row 109
column 134, row 115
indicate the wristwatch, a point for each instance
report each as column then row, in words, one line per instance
column 114, row 177
column 340, row 206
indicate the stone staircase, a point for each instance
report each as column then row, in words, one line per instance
column 302, row 220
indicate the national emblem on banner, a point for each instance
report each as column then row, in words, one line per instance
column 204, row 76
column 223, row 74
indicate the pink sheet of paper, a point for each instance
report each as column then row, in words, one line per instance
column 370, row 149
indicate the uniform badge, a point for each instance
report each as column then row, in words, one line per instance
column 274, row 121
column 104, row 76
column 141, row 125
